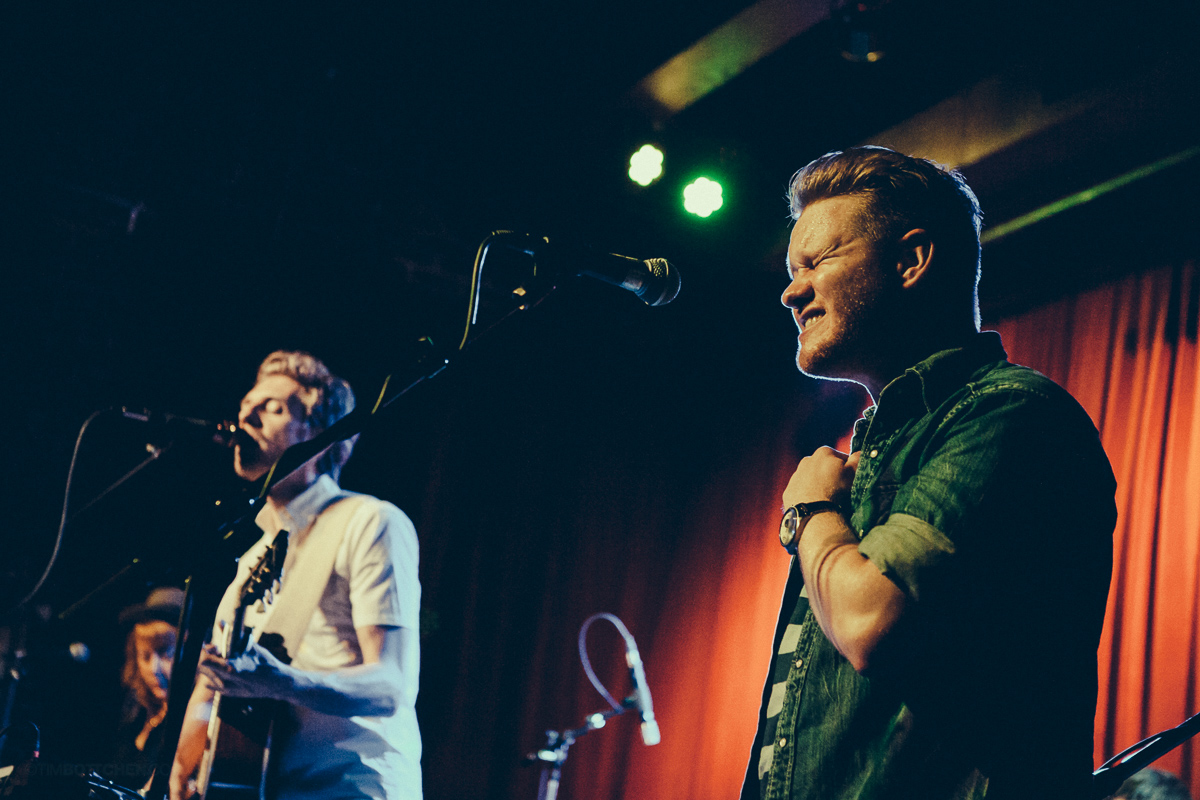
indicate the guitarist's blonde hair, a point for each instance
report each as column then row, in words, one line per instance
column 328, row 398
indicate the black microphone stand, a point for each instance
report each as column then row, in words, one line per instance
column 1112, row 773
column 554, row 753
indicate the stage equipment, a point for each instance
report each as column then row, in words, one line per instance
column 654, row 280
column 702, row 197
column 219, row 433
column 553, row 754
column 22, row 780
column 1123, row 765
column 646, row 165
column 862, row 28
column 167, row 428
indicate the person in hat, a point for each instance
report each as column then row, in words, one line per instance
column 152, row 628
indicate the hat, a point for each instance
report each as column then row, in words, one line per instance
column 164, row 603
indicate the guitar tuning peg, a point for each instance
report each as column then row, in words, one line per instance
column 259, row 607
column 276, row 586
column 268, row 596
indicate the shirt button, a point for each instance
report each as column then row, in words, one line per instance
column 798, row 663
column 873, row 454
column 782, row 743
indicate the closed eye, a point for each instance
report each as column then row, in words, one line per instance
column 795, row 269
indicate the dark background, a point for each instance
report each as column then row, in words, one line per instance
column 189, row 188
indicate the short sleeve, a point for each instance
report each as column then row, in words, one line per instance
column 382, row 559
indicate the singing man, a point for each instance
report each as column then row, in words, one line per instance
column 348, row 727
column 939, row 629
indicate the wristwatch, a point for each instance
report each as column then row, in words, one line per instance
column 796, row 517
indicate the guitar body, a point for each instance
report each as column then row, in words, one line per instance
column 241, row 756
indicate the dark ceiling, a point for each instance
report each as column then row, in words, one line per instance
column 191, row 186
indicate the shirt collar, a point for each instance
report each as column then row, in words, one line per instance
column 945, row 372
column 301, row 511
column 931, row 381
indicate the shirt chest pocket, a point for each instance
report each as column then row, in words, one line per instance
column 874, row 508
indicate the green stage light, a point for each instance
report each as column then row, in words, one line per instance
column 702, row 197
column 646, row 165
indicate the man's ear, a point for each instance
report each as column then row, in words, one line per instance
column 915, row 253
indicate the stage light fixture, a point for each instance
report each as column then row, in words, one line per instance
column 646, row 165
column 702, row 197
column 863, row 29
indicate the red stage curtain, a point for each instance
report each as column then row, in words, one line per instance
column 679, row 538
column 703, row 612
column 1128, row 353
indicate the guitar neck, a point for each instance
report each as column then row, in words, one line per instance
column 253, row 726
column 225, row 647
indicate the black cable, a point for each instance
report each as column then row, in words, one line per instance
column 62, row 522
column 33, row 743
column 630, row 644
column 477, row 285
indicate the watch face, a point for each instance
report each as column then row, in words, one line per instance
column 787, row 529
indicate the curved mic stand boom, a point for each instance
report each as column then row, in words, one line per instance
column 554, row 753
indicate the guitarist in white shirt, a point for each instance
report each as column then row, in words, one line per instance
column 349, row 727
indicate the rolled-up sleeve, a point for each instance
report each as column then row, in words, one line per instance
column 904, row 548
column 982, row 466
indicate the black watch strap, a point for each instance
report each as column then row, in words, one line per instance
column 797, row 516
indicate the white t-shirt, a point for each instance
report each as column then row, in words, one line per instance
column 374, row 582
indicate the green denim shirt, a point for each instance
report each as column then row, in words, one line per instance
column 983, row 493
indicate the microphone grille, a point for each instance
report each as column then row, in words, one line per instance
column 662, row 284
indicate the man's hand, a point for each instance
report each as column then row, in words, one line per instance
column 854, row 603
column 192, row 739
column 825, row 475
column 255, row 673
column 181, row 786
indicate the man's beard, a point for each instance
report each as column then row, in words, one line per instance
column 863, row 328
column 840, row 356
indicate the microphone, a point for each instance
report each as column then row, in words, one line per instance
column 654, row 280
column 219, row 433
column 641, row 694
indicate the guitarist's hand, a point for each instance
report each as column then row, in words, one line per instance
column 181, row 788
column 192, row 740
column 255, row 673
